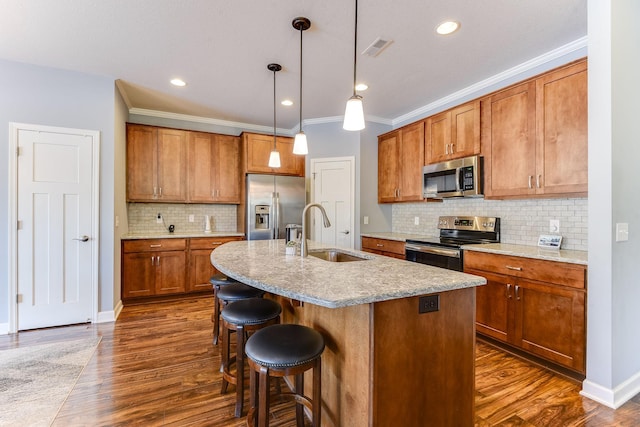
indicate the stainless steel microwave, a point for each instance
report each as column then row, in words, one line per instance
column 455, row 178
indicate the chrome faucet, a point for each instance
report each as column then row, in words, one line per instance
column 325, row 219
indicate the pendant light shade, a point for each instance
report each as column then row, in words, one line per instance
column 300, row 142
column 274, row 157
column 354, row 113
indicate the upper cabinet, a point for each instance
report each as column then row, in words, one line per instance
column 156, row 164
column 400, row 162
column 214, row 168
column 534, row 136
column 453, row 133
column 256, row 151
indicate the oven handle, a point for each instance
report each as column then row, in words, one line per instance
column 452, row 253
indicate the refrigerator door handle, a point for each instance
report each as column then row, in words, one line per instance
column 276, row 219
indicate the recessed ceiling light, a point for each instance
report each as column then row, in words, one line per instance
column 287, row 103
column 178, row 82
column 447, row 27
column 361, row 86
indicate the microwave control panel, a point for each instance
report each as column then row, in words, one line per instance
column 467, row 177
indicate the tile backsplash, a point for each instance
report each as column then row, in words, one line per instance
column 521, row 221
column 142, row 217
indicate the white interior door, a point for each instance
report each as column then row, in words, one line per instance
column 334, row 188
column 57, row 226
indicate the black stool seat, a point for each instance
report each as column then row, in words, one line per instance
column 251, row 311
column 285, row 345
column 238, row 291
column 220, row 279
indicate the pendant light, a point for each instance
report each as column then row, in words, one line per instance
column 354, row 114
column 274, row 157
column 300, row 141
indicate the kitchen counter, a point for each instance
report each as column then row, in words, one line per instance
column 167, row 235
column 264, row 265
column 562, row 255
column 396, row 332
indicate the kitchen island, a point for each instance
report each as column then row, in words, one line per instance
column 400, row 336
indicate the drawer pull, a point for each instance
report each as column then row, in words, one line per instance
column 216, row 243
column 379, row 245
column 513, row 268
column 155, row 246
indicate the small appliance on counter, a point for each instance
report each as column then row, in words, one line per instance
column 207, row 223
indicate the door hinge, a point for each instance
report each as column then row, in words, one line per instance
column 19, row 298
column 19, row 225
column 18, row 151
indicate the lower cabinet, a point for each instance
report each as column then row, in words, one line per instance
column 391, row 248
column 156, row 267
column 534, row 305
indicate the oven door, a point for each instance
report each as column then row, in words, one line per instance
column 438, row 256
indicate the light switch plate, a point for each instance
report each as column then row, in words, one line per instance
column 365, row 220
column 622, row 232
column 416, row 220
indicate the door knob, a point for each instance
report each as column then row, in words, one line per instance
column 345, row 232
column 83, row 239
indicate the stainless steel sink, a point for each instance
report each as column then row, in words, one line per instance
column 335, row 255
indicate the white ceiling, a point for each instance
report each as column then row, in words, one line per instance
column 222, row 48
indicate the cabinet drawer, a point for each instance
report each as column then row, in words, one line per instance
column 210, row 242
column 383, row 245
column 559, row 273
column 147, row 245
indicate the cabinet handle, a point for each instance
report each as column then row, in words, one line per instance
column 152, row 258
column 379, row 245
column 530, row 178
column 446, row 148
column 155, row 192
column 508, row 290
column 517, row 294
column 398, row 193
column 215, row 243
column 160, row 191
column 538, row 178
column 452, row 150
column 513, row 268
column 217, row 193
column 158, row 260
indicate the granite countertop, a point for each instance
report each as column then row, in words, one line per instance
column 167, row 235
column 264, row 265
column 562, row 255
column 400, row 237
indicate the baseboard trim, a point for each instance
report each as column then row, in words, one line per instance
column 613, row 398
column 110, row 316
column 4, row 329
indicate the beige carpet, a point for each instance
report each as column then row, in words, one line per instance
column 36, row 380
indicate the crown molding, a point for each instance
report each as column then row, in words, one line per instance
column 481, row 87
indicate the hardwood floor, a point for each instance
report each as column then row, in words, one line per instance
column 156, row 366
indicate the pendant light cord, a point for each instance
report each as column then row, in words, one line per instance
column 355, row 49
column 274, row 109
column 301, row 30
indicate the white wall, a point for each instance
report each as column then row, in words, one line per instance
column 46, row 96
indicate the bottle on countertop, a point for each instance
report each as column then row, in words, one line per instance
column 207, row 223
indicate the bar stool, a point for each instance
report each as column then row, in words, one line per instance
column 243, row 317
column 278, row 351
column 218, row 280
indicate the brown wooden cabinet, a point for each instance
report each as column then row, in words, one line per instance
column 400, row 162
column 535, row 305
column 534, row 136
column 153, row 267
column 390, row 248
column 200, row 268
column 156, row 164
column 214, row 168
column 256, row 150
column 453, row 134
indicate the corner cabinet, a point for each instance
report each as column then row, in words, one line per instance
column 214, row 168
column 534, row 136
column 534, row 305
column 400, row 162
column 257, row 148
column 156, row 164
column 453, row 134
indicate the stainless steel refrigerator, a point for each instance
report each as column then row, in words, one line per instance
column 273, row 202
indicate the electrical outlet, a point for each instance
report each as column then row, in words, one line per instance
column 416, row 220
column 554, row 226
column 159, row 219
column 191, row 218
column 429, row 303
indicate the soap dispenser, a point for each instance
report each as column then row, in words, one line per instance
column 207, row 223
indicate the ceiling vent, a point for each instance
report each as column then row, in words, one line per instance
column 376, row 47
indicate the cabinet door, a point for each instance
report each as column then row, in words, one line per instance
column 171, row 272
column 388, row 168
column 142, row 160
column 292, row 164
column 465, row 130
column 437, row 138
column 492, row 305
column 202, row 167
column 200, row 270
column 508, row 122
column 257, row 149
column 138, row 274
column 561, row 115
column 550, row 322
column 227, row 169
column 411, row 155
column 172, row 165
